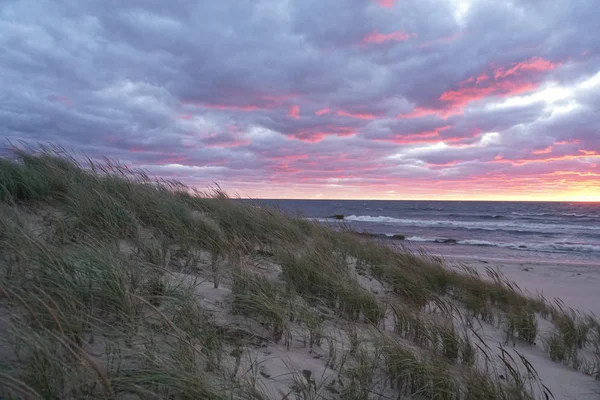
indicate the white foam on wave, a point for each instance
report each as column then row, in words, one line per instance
column 584, row 248
column 487, row 225
column 539, row 247
column 319, row 219
column 420, row 239
column 546, row 214
column 476, row 242
column 542, row 247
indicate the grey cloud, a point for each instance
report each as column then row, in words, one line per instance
column 168, row 79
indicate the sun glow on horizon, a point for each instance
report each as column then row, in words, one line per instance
column 336, row 191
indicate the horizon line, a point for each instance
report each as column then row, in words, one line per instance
column 440, row 200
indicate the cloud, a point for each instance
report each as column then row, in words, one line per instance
column 386, row 3
column 294, row 111
column 342, row 98
column 376, row 37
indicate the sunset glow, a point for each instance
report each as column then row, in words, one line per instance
column 381, row 99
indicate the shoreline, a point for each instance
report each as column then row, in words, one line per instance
column 575, row 283
column 447, row 245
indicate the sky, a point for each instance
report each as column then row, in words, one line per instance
column 345, row 99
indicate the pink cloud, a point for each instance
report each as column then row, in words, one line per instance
column 505, row 83
column 456, row 100
column 465, row 95
column 294, row 111
column 547, row 150
column 385, row 3
column 376, row 37
column 481, row 78
column 424, row 111
column 318, row 134
column 323, row 111
column 533, row 64
column 431, row 136
column 343, row 113
column 563, row 142
column 588, row 152
column 518, row 162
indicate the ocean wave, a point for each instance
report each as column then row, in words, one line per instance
column 542, row 247
column 479, row 216
column 485, row 225
column 321, row 219
column 420, row 239
column 539, row 247
column 547, row 214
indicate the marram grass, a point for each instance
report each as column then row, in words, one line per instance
column 101, row 267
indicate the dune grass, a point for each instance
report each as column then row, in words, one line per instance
column 100, row 268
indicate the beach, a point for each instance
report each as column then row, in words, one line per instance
column 576, row 285
column 117, row 285
column 549, row 250
column 564, row 232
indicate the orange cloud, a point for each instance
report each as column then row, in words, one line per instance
column 586, row 156
column 582, row 174
column 574, row 141
column 543, row 151
column 376, row 37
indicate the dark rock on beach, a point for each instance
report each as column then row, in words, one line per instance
column 367, row 234
column 447, row 241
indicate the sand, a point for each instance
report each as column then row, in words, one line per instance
column 574, row 285
column 578, row 286
column 274, row 368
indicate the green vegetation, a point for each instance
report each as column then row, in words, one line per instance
column 104, row 295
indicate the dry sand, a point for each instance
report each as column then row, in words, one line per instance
column 274, row 366
column 578, row 286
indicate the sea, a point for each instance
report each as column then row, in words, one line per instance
column 519, row 231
